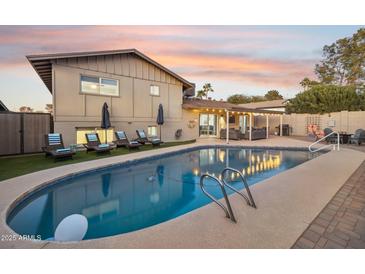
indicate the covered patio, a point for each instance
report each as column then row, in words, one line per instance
column 243, row 123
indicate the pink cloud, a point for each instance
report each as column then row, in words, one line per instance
column 195, row 51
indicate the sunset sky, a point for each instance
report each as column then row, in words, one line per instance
column 234, row 59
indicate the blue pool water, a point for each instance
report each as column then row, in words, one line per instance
column 129, row 197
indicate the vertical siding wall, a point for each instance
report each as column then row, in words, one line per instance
column 133, row 108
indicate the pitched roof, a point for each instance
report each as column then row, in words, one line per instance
column 195, row 103
column 42, row 63
column 266, row 104
column 3, row 107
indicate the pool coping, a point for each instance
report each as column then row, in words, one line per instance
column 22, row 191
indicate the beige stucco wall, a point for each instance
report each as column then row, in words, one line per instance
column 347, row 121
column 67, row 128
column 134, row 108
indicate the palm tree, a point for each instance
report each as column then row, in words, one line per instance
column 204, row 91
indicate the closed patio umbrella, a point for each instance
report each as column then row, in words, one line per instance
column 105, row 120
column 160, row 119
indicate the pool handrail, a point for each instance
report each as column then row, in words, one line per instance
column 335, row 146
column 250, row 201
column 228, row 210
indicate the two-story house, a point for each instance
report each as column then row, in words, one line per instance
column 133, row 85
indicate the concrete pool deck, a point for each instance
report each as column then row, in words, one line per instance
column 287, row 203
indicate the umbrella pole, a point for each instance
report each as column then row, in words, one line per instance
column 160, row 132
column 106, row 136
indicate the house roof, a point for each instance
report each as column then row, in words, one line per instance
column 3, row 107
column 195, row 103
column 42, row 64
column 266, row 104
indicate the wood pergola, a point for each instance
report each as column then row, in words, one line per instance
column 228, row 108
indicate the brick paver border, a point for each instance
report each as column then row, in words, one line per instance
column 341, row 224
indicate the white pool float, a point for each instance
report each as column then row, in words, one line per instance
column 71, row 228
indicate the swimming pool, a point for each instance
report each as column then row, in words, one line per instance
column 136, row 195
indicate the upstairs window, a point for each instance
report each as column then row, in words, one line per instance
column 99, row 86
column 90, row 84
column 154, row 90
column 109, row 87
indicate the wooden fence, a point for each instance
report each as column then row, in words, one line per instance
column 23, row 132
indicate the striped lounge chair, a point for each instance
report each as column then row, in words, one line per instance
column 142, row 138
column 55, row 147
column 93, row 144
column 123, row 141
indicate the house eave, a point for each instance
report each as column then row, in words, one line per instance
column 42, row 64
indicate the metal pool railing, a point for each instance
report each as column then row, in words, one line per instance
column 336, row 146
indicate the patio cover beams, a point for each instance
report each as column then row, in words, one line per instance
column 228, row 108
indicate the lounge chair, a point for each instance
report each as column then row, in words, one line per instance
column 332, row 138
column 55, row 147
column 123, row 141
column 358, row 137
column 142, row 138
column 93, row 144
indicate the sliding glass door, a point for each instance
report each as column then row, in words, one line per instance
column 207, row 125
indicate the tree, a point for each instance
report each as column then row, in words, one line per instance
column 306, row 83
column 204, row 91
column 324, row 98
column 257, row 98
column 25, row 109
column 49, row 108
column 273, row 95
column 344, row 61
column 244, row 99
column 239, row 99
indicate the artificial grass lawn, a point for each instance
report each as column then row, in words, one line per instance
column 12, row 166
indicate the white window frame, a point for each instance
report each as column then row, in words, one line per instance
column 152, row 93
column 98, row 90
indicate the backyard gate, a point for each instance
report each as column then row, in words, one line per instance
column 23, row 132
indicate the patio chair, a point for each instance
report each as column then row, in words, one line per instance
column 143, row 139
column 358, row 137
column 123, row 141
column 93, row 144
column 55, row 147
column 332, row 138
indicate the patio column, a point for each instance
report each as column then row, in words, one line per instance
column 281, row 125
column 267, row 126
column 227, row 126
column 227, row 157
column 250, row 127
